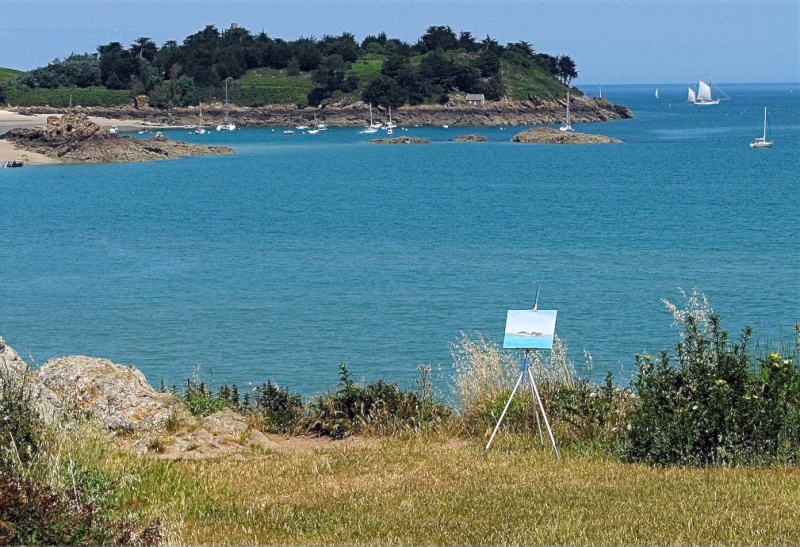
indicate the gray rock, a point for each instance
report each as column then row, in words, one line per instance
column 15, row 374
column 118, row 396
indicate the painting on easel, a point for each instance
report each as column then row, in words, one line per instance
column 530, row 329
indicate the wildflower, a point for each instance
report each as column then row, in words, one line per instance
column 694, row 407
column 720, row 382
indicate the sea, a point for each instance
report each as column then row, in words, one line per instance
column 302, row 252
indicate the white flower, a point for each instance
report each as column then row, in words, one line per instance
column 694, row 407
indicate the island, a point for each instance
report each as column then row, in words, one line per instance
column 547, row 135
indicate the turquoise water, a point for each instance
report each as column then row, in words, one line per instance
column 305, row 251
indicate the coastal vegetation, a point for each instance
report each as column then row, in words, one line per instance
column 261, row 70
column 701, row 448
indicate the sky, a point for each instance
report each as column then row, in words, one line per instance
column 611, row 41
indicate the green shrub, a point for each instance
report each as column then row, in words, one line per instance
column 280, row 409
column 201, row 401
column 379, row 407
column 714, row 406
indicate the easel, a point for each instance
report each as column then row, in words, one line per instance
column 526, row 371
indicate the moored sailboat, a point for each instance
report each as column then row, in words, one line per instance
column 762, row 142
column 227, row 124
column 567, row 126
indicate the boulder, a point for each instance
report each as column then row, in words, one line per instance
column 16, row 375
column 11, row 366
column 118, row 396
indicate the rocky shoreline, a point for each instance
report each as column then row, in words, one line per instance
column 356, row 114
column 75, row 138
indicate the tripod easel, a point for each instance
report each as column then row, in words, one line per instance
column 526, row 371
column 535, row 391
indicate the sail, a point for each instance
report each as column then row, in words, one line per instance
column 704, row 92
column 692, row 97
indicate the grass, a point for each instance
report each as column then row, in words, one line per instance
column 7, row 74
column 442, row 490
column 61, row 97
column 263, row 86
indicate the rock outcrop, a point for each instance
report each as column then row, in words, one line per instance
column 117, row 396
column 546, row 135
column 470, row 138
column 356, row 114
column 401, row 140
column 75, row 138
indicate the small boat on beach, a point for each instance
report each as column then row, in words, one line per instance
column 14, row 163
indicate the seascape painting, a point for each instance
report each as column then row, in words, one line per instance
column 530, row 329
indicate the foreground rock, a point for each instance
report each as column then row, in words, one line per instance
column 546, row 135
column 401, row 140
column 75, row 138
column 118, row 396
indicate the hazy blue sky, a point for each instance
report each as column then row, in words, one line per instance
column 611, row 41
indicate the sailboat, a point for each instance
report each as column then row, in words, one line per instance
column 200, row 129
column 390, row 124
column 762, row 142
column 372, row 127
column 567, row 127
column 373, row 124
column 227, row 124
column 656, row 93
column 703, row 95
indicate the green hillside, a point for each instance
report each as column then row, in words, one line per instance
column 258, row 70
column 7, row 74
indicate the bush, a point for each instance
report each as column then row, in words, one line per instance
column 279, row 408
column 379, row 407
column 202, row 402
column 714, row 406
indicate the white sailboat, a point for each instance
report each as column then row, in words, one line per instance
column 567, row 126
column 390, row 124
column 656, row 93
column 227, row 124
column 200, row 129
column 372, row 127
column 703, row 95
column 373, row 124
column 762, row 142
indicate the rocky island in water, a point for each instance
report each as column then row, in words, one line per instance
column 75, row 138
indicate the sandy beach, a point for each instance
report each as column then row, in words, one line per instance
column 10, row 120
